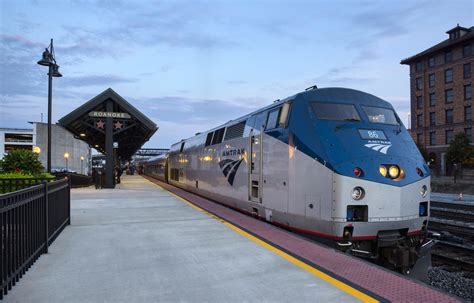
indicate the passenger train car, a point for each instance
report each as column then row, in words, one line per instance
column 334, row 163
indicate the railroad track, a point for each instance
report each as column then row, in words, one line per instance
column 457, row 218
column 456, row 257
column 455, row 222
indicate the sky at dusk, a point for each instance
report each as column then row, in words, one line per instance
column 192, row 65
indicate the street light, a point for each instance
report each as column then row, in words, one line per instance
column 66, row 157
column 37, row 150
column 49, row 60
column 82, row 161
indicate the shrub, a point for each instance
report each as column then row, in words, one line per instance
column 8, row 185
column 22, row 161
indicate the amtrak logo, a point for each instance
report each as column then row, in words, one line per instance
column 229, row 169
column 383, row 148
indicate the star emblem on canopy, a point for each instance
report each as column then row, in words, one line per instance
column 100, row 124
column 118, row 125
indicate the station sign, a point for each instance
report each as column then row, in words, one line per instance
column 109, row 115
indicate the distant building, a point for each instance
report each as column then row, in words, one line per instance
column 15, row 138
column 441, row 84
column 36, row 138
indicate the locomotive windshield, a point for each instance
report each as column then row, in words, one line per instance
column 380, row 115
column 335, row 111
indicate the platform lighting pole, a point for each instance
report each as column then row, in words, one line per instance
column 66, row 157
column 82, row 162
column 49, row 60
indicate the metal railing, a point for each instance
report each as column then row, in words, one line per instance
column 14, row 184
column 30, row 220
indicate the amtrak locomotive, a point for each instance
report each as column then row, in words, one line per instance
column 332, row 163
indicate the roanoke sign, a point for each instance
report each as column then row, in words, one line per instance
column 109, row 115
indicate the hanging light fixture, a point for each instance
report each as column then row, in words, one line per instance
column 47, row 58
column 56, row 72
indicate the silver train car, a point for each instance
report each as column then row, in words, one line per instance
column 335, row 164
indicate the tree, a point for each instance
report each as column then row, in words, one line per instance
column 21, row 160
column 459, row 151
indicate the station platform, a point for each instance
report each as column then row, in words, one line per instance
column 146, row 242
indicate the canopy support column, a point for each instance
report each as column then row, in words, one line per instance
column 109, row 147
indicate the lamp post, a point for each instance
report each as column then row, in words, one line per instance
column 50, row 61
column 82, row 161
column 66, row 157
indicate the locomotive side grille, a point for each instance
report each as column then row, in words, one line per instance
column 235, row 131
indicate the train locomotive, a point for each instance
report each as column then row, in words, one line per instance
column 335, row 164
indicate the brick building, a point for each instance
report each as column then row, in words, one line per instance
column 441, row 82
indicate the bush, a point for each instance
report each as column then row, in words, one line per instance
column 15, row 175
column 8, row 185
column 21, row 161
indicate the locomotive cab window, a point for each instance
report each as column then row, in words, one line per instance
column 380, row 115
column 335, row 111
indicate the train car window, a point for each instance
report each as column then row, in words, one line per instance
column 260, row 121
column 249, row 125
column 218, row 136
column 182, row 147
column 335, row 111
column 209, row 139
column 284, row 114
column 272, row 121
column 235, row 131
column 380, row 115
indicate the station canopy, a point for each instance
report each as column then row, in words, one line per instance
column 131, row 128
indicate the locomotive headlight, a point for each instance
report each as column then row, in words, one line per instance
column 424, row 191
column 357, row 193
column 383, row 170
column 393, row 172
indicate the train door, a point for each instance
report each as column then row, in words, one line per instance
column 255, row 159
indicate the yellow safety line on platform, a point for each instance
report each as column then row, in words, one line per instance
column 342, row 286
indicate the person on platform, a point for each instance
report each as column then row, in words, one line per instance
column 100, row 178
column 117, row 174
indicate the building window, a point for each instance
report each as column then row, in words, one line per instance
column 448, row 56
column 419, row 101
column 431, row 62
column 466, row 50
column 433, row 119
column 467, row 70
column 432, row 80
column 467, row 92
column 432, row 99
column 468, row 132
column 449, row 136
column 432, row 138
column 419, row 66
column 449, row 116
column 419, row 120
column 419, row 138
column 449, row 95
column 419, row 84
column 448, row 75
column 467, row 113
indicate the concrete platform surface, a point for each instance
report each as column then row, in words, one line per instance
column 139, row 243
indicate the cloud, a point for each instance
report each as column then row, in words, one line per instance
column 94, row 80
column 236, row 82
column 341, row 75
column 379, row 23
